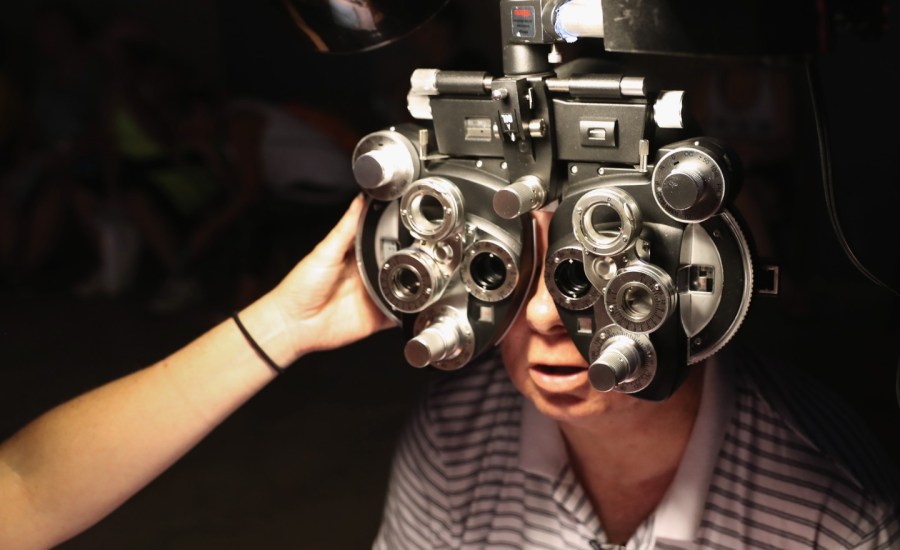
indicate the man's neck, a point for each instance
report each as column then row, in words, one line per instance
column 626, row 462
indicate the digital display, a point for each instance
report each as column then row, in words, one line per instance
column 523, row 24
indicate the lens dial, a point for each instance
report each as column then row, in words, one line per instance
column 640, row 298
column 606, row 221
column 689, row 183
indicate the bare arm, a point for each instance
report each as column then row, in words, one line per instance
column 76, row 463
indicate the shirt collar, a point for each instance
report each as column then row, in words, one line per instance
column 543, row 453
column 681, row 509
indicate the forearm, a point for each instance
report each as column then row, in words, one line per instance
column 75, row 464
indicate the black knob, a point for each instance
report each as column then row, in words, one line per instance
column 682, row 188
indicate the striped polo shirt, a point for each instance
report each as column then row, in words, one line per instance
column 772, row 462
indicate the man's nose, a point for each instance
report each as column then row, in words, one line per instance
column 540, row 311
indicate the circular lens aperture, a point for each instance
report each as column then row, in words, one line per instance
column 603, row 224
column 406, row 284
column 566, row 280
column 640, row 298
column 490, row 270
column 429, row 210
column 571, row 280
column 432, row 209
column 410, row 280
column 636, row 302
column 606, row 221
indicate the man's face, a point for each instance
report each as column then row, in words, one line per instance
column 544, row 363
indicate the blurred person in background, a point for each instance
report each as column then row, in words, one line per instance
column 55, row 148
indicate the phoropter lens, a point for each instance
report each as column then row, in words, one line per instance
column 566, row 279
column 411, row 279
column 488, row 271
column 606, row 221
column 430, row 212
column 636, row 302
column 640, row 297
column 406, row 283
column 606, row 225
column 432, row 209
column 571, row 280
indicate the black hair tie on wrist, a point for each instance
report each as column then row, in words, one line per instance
column 259, row 351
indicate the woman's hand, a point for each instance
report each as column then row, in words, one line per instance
column 323, row 300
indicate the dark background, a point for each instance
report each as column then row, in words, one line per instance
column 304, row 463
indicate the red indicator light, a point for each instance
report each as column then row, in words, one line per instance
column 520, row 12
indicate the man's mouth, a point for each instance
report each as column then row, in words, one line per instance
column 557, row 370
column 558, row 379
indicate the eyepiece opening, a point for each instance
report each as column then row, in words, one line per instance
column 571, row 280
column 406, row 283
column 488, row 271
column 635, row 302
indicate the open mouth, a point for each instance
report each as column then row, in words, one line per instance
column 558, row 370
column 557, row 380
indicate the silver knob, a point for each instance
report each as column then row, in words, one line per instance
column 384, row 163
column 439, row 341
column 668, row 108
column 619, row 359
column 523, row 195
column 376, row 168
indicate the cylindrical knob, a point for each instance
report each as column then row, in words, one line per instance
column 693, row 181
column 378, row 167
column 667, row 110
column 618, row 360
column 384, row 163
column 682, row 188
column 579, row 19
column 523, row 195
column 537, row 128
column 438, row 341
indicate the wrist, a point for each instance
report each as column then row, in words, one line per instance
column 267, row 325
